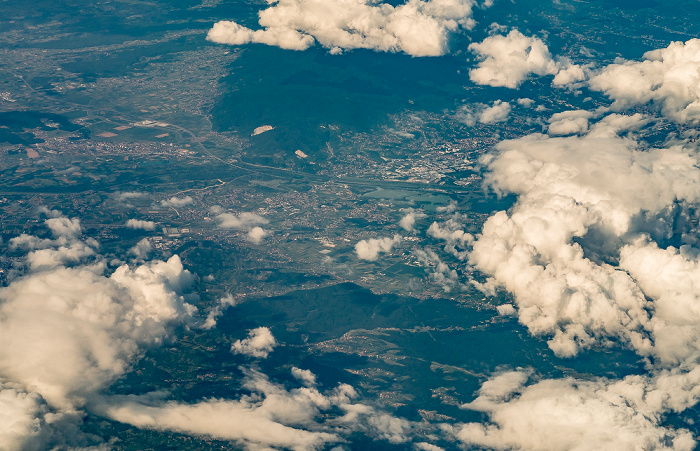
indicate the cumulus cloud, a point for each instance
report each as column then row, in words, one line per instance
column 242, row 221
column 417, row 27
column 498, row 112
column 580, row 200
column 570, row 74
column 27, row 423
column 666, row 77
column 581, row 252
column 304, row 376
column 141, row 249
column 570, row 122
column 408, row 222
column 125, row 196
column 256, row 234
column 21, row 415
column 441, row 274
column 67, row 332
column 508, row 60
column 526, row 102
column 64, row 227
column 669, row 277
column 86, row 328
column 506, row 310
column 259, row 343
column 480, row 112
column 616, row 124
column 218, row 310
column 449, row 208
column 66, row 247
column 452, row 232
column 370, row 249
column 140, row 224
column 392, row 429
column 555, row 414
column 271, row 416
column 177, row 202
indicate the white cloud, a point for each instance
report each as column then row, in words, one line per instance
column 85, row 328
column 572, row 122
column 408, row 222
column 304, row 376
column 574, row 414
column 498, row 112
column 66, row 333
column 667, row 77
column 423, row 446
column 441, row 273
column 578, row 253
column 569, row 74
column 479, row 112
column 451, row 231
column 21, row 417
column 177, row 202
column 140, row 224
column 141, row 249
column 506, row 310
column 417, row 27
column 244, row 221
column 218, row 310
column 615, row 124
column 241, row 221
column 392, row 429
column 64, row 227
column 256, row 234
column 669, row 276
column 270, row 417
column 28, row 424
column 370, row 249
column 65, row 248
column 259, row 343
column 449, row 208
column 508, row 60
column 125, row 196
column 526, row 102
column 580, row 193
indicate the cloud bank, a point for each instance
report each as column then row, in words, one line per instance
column 69, row 328
column 668, row 77
column 582, row 202
column 271, row 416
column 67, row 332
column 555, row 414
column 585, row 253
column 417, row 28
